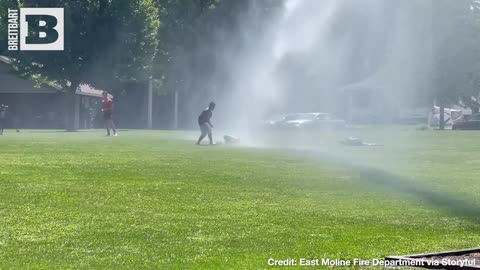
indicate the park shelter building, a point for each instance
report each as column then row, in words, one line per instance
column 45, row 106
column 370, row 104
column 380, row 100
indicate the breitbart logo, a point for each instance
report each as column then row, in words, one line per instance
column 35, row 29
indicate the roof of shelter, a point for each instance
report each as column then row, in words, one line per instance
column 13, row 84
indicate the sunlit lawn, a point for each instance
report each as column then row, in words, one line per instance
column 153, row 200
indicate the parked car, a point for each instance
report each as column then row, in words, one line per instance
column 471, row 122
column 306, row 121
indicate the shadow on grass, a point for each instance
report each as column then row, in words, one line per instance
column 448, row 201
column 453, row 203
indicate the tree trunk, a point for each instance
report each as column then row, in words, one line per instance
column 150, row 104
column 175, row 110
column 72, row 113
column 442, row 117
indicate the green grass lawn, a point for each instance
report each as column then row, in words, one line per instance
column 153, row 200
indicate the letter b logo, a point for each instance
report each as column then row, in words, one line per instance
column 41, row 29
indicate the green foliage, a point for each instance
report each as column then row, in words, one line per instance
column 182, row 25
column 105, row 41
column 456, row 70
column 194, row 34
column 123, row 40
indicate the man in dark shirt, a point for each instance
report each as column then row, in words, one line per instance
column 204, row 123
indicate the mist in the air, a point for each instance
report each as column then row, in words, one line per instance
column 311, row 55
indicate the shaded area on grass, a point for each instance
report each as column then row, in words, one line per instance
column 451, row 202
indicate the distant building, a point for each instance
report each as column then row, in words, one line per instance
column 44, row 107
column 369, row 105
column 375, row 100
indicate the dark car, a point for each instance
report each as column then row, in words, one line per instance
column 471, row 122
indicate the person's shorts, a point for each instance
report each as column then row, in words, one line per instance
column 107, row 115
column 205, row 128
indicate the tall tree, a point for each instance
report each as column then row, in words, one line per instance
column 456, row 33
column 178, row 35
column 105, row 40
column 194, row 38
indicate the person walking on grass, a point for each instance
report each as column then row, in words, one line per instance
column 107, row 109
column 205, row 124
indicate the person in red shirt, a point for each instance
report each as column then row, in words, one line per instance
column 107, row 109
